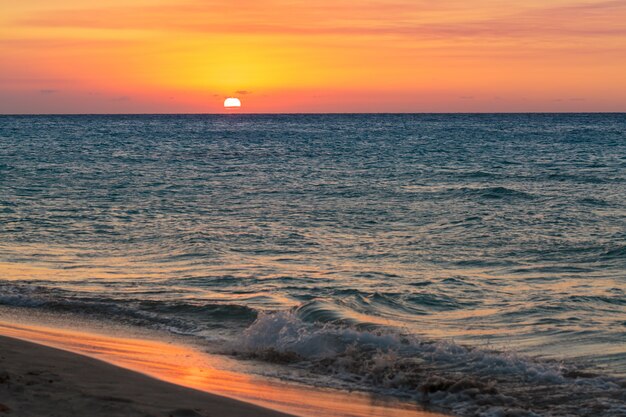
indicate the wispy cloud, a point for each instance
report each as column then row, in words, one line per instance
column 403, row 19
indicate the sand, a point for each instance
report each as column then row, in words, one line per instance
column 40, row 381
column 113, row 371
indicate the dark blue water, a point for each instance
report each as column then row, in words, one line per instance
column 499, row 232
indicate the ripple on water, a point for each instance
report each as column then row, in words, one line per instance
column 505, row 230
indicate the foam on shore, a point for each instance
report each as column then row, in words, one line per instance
column 193, row 368
column 440, row 374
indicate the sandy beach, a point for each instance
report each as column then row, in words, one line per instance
column 55, row 371
column 36, row 380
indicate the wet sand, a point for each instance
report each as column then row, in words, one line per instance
column 36, row 380
column 157, row 379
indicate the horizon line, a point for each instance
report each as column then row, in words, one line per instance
column 311, row 113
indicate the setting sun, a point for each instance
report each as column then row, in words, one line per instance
column 232, row 103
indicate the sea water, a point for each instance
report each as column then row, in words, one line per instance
column 474, row 263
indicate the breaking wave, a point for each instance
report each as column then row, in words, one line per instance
column 328, row 348
column 441, row 375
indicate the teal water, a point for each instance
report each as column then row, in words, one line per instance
column 312, row 234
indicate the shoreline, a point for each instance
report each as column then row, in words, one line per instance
column 41, row 380
column 129, row 376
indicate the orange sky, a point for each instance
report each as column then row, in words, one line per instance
column 166, row 56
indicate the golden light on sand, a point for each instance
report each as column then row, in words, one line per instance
column 232, row 103
column 193, row 368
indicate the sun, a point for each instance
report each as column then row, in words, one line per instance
column 232, row 103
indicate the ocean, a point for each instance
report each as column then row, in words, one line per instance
column 473, row 263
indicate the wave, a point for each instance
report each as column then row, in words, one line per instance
column 594, row 202
column 494, row 193
column 180, row 317
column 478, row 174
column 618, row 252
column 441, row 375
column 328, row 345
column 583, row 179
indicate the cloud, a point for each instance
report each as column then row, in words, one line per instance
column 50, row 42
column 48, row 91
column 400, row 18
column 572, row 99
column 243, row 92
column 38, row 81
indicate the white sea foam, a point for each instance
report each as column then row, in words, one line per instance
column 440, row 374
